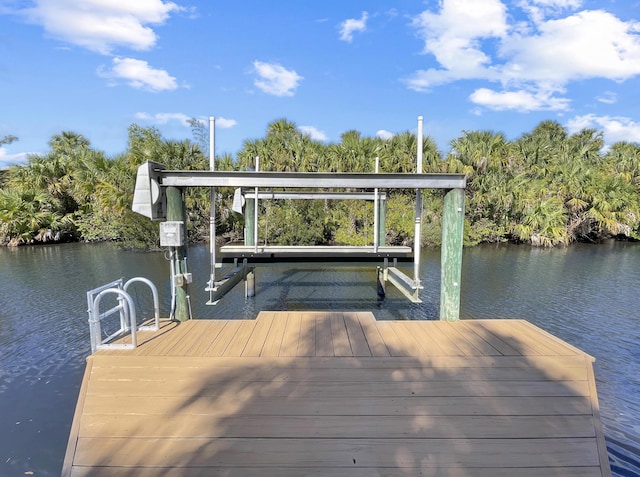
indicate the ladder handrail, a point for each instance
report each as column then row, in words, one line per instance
column 130, row 312
column 156, row 304
column 126, row 309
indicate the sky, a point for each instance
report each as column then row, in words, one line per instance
column 95, row 67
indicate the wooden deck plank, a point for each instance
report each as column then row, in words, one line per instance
column 430, row 345
column 424, row 388
column 273, row 340
column 307, row 339
column 182, row 346
column 239, row 341
column 370, row 453
column 546, row 363
column 291, row 337
column 411, row 344
column 481, row 331
column 338, row 427
column 468, row 341
column 391, row 339
column 446, row 344
column 357, row 339
column 269, row 371
column 509, row 331
column 156, row 345
column 341, row 345
column 68, row 462
column 252, row 404
column 488, row 398
column 256, row 341
column 324, row 340
column 221, row 341
column 330, row 471
column 555, row 345
column 531, row 337
column 207, row 334
column 372, row 335
column 595, row 407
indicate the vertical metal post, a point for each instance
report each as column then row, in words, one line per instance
column 451, row 254
column 255, row 211
column 249, row 223
column 376, row 231
column 176, row 211
column 417, row 235
column 382, row 220
column 212, row 198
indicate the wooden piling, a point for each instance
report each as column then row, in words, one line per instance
column 451, row 254
column 176, row 211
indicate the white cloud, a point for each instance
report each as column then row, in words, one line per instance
column 453, row 35
column 518, row 100
column 538, row 10
column 386, row 135
column 7, row 160
column 164, row 118
column 275, row 79
column 533, row 59
column 608, row 97
column 615, row 128
column 138, row 74
column 313, row 132
column 183, row 119
column 589, row 44
column 225, row 123
column 352, row 25
column 102, row 25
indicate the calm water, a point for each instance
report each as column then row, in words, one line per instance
column 587, row 295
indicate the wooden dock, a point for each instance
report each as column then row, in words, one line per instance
column 339, row 394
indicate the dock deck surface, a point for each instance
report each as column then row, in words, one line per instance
column 339, row 394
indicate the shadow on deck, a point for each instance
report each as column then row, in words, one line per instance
column 331, row 393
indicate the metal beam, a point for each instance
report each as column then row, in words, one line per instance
column 315, row 195
column 306, row 255
column 311, row 180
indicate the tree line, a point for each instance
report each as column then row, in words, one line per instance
column 545, row 188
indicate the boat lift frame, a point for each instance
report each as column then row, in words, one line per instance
column 155, row 184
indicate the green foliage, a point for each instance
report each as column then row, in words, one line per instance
column 353, row 221
column 7, row 139
column 293, row 222
column 546, row 188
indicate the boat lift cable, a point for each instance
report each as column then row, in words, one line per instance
column 172, row 310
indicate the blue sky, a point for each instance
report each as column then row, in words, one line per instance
column 96, row 66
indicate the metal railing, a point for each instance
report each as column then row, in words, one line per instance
column 125, row 309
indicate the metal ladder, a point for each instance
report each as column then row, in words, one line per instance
column 126, row 310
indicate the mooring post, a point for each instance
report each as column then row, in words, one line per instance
column 451, row 254
column 176, row 211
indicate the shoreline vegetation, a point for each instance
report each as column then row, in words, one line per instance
column 547, row 188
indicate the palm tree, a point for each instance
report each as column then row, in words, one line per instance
column 27, row 215
column 67, row 141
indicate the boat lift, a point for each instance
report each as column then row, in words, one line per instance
column 159, row 196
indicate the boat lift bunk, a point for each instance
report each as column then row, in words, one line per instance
column 158, row 195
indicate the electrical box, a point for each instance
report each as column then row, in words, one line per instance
column 172, row 234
